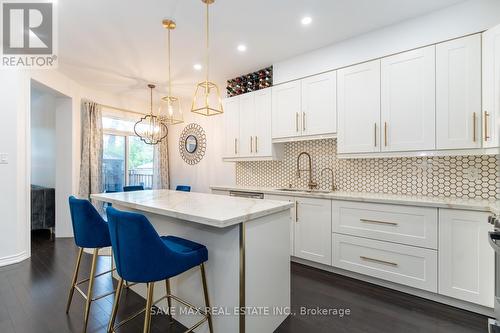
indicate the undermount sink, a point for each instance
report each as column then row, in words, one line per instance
column 303, row 190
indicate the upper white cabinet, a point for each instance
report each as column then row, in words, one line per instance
column 232, row 126
column 491, row 88
column 358, row 97
column 466, row 260
column 408, row 100
column 248, row 126
column 305, row 108
column 458, row 93
column 319, row 104
column 286, row 110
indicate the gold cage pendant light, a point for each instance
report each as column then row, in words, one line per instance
column 150, row 128
column 171, row 105
column 207, row 100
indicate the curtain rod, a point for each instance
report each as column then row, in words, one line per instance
column 120, row 109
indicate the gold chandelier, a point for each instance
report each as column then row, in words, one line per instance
column 207, row 100
column 150, row 128
column 172, row 113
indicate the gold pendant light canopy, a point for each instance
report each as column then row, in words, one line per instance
column 171, row 113
column 150, row 128
column 207, row 100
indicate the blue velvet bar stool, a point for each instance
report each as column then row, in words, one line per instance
column 133, row 188
column 91, row 232
column 142, row 256
column 183, row 188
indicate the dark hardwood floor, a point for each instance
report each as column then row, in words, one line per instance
column 33, row 295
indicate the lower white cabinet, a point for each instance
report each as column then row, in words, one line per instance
column 466, row 260
column 408, row 265
column 311, row 228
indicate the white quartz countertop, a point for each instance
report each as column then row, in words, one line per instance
column 204, row 208
column 423, row 201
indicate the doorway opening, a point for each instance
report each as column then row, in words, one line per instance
column 50, row 172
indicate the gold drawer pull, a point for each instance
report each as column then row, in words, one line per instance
column 473, row 127
column 251, row 144
column 375, row 134
column 296, row 121
column 296, row 211
column 390, row 263
column 378, row 222
column 486, row 125
column 385, row 134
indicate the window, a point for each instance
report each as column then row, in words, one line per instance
column 126, row 159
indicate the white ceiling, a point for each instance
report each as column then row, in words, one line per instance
column 118, row 46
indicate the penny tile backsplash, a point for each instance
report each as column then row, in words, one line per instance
column 456, row 176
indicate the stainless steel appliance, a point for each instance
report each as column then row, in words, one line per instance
column 494, row 239
column 243, row 194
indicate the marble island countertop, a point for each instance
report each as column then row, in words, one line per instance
column 204, row 208
column 423, row 201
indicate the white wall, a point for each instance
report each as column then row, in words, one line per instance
column 43, row 139
column 211, row 170
column 464, row 18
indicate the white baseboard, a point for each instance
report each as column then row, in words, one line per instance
column 405, row 289
column 13, row 259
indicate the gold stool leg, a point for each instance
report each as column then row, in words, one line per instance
column 169, row 300
column 149, row 304
column 207, row 301
column 115, row 305
column 75, row 277
column 91, row 285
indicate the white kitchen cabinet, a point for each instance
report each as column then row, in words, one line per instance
column 305, row 108
column 491, row 88
column 408, row 101
column 310, row 228
column 407, row 265
column 248, row 127
column 458, row 93
column 286, row 110
column 313, row 230
column 263, row 119
column 319, row 104
column 247, row 124
column 292, row 217
column 232, row 126
column 466, row 260
column 358, row 95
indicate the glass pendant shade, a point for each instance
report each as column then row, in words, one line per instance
column 207, row 100
column 170, row 107
column 171, row 113
column 150, row 129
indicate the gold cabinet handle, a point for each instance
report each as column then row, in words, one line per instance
column 303, row 121
column 390, row 263
column 296, row 121
column 251, row 144
column 235, row 146
column 256, row 145
column 378, row 222
column 486, row 117
column 473, row 127
column 296, row 211
column 385, row 134
column 375, row 134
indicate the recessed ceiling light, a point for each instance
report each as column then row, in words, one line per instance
column 242, row 47
column 306, row 20
column 197, row 67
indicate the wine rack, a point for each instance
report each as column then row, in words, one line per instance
column 250, row 82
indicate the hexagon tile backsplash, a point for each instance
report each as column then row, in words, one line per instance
column 449, row 176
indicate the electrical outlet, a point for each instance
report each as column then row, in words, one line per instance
column 4, row 158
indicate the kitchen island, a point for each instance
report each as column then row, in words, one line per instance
column 248, row 268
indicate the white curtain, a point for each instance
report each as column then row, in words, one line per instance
column 92, row 147
column 161, row 171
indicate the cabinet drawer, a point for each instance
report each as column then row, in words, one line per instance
column 407, row 265
column 400, row 224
